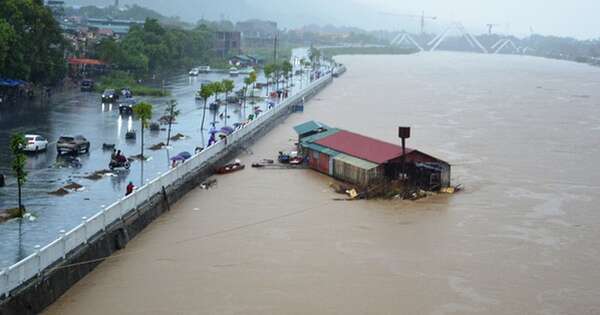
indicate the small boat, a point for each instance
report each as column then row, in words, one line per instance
column 233, row 71
column 296, row 160
column 230, row 168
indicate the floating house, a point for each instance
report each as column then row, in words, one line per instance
column 365, row 161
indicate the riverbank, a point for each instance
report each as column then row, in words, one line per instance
column 519, row 240
column 369, row 50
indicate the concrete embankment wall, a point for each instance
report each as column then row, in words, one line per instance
column 34, row 295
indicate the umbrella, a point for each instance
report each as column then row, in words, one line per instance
column 182, row 156
column 226, row 130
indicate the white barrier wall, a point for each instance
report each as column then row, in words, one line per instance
column 32, row 265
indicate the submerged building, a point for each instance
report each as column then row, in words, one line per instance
column 365, row 161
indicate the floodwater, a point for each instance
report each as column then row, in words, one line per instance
column 523, row 135
column 72, row 112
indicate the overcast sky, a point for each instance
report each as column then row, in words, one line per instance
column 576, row 18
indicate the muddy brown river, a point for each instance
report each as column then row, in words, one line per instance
column 523, row 136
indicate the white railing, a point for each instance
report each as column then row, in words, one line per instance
column 32, row 265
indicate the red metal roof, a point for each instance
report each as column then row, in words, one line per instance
column 362, row 147
column 85, row 61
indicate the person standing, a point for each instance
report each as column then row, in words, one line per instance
column 130, row 188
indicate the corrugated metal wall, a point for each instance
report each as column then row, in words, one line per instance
column 319, row 161
column 355, row 174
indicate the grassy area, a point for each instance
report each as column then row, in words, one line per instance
column 385, row 50
column 283, row 53
column 118, row 80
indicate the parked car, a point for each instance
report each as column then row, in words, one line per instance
column 35, row 143
column 204, row 69
column 87, row 85
column 72, row 145
column 109, row 96
column 194, row 72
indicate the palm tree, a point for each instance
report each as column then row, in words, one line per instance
column 287, row 69
column 248, row 81
column 206, row 91
column 217, row 88
column 17, row 144
column 227, row 86
column 171, row 112
column 268, row 70
column 143, row 111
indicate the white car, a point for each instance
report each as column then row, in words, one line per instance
column 35, row 143
column 194, row 72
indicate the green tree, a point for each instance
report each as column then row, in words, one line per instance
column 287, row 69
column 17, row 144
column 217, row 88
column 36, row 42
column 249, row 81
column 7, row 41
column 143, row 111
column 314, row 55
column 228, row 87
column 171, row 112
column 269, row 69
column 206, row 91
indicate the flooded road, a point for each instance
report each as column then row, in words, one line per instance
column 73, row 113
column 523, row 135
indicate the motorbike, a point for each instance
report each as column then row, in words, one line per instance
column 119, row 164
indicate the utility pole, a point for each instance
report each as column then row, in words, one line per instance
column 275, row 62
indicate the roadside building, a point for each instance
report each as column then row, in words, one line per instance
column 365, row 161
column 244, row 61
column 84, row 67
column 227, row 43
column 257, row 33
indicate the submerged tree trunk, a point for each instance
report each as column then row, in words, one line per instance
column 203, row 114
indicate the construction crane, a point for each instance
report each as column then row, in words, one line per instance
column 490, row 27
column 422, row 17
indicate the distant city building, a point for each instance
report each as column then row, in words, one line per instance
column 227, row 43
column 57, row 7
column 257, row 33
column 119, row 27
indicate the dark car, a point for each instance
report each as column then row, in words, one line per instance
column 87, row 85
column 126, row 107
column 72, row 145
column 109, row 96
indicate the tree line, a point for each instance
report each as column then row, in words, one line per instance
column 151, row 47
column 31, row 43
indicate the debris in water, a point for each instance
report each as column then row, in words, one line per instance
column 108, row 146
column 99, row 174
column 59, row 192
column 29, row 216
column 178, row 137
column 208, row 184
column 157, row 146
column 73, row 186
